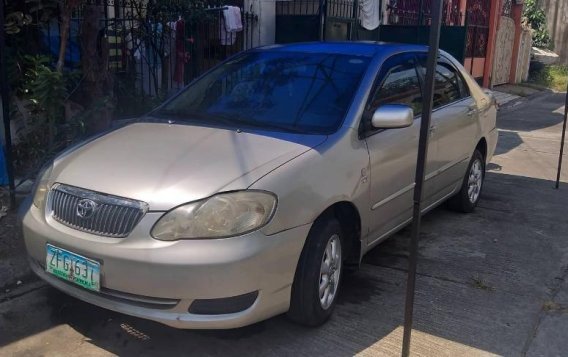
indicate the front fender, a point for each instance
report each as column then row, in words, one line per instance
column 309, row 184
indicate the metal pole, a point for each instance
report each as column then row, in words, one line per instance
column 6, row 110
column 562, row 142
column 420, row 170
column 322, row 16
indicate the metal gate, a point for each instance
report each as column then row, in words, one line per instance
column 316, row 20
column 409, row 22
column 299, row 21
column 341, row 20
column 477, row 23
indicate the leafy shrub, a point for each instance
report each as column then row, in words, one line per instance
column 554, row 77
column 536, row 17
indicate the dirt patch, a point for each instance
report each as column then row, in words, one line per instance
column 13, row 262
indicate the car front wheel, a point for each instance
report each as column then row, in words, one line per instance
column 316, row 283
column 468, row 197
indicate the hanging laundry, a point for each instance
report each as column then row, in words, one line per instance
column 231, row 23
column 234, row 14
column 369, row 13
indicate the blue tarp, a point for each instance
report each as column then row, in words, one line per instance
column 51, row 40
column 3, row 172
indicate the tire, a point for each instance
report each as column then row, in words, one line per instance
column 474, row 178
column 307, row 307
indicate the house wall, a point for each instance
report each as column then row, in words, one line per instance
column 523, row 61
column 557, row 20
column 475, row 66
column 265, row 28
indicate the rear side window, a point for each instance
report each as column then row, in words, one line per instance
column 398, row 84
column 448, row 83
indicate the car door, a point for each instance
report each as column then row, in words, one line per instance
column 453, row 128
column 393, row 152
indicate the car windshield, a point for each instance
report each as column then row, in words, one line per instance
column 284, row 91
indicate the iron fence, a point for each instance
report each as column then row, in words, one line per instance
column 477, row 28
column 155, row 48
column 419, row 12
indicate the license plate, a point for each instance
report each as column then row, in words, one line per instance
column 73, row 267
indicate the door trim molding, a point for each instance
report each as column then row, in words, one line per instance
column 393, row 196
column 411, row 186
column 392, row 231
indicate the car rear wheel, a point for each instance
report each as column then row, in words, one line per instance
column 468, row 197
column 316, row 283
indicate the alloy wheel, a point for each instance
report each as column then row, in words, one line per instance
column 475, row 181
column 330, row 272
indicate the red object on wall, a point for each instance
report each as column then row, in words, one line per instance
column 495, row 13
column 180, row 52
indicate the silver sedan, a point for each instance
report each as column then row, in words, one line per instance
column 247, row 194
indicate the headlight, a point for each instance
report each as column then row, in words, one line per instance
column 41, row 186
column 220, row 216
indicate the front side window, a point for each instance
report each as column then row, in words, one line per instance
column 398, row 84
column 284, row 91
column 448, row 84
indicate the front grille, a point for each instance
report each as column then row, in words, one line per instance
column 94, row 212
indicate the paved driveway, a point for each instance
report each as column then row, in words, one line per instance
column 492, row 282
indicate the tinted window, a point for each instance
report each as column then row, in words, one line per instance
column 289, row 91
column 398, row 84
column 448, row 84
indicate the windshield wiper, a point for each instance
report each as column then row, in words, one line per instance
column 228, row 120
column 179, row 115
column 261, row 125
column 287, row 128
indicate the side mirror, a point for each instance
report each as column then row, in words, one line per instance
column 391, row 116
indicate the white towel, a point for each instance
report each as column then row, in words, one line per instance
column 231, row 23
column 232, row 17
column 238, row 22
column 369, row 13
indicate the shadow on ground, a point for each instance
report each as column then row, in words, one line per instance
column 545, row 112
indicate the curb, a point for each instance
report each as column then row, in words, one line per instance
column 516, row 102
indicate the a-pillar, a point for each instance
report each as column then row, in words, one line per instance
column 516, row 14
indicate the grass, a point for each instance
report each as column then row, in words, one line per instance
column 551, row 306
column 478, row 283
column 554, row 77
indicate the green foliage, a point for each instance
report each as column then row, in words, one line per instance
column 536, row 17
column 40, row 102
column 554, row 77
column 20, row 14
column 14, row 21
column 47, row 88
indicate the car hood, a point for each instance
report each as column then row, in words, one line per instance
column 166, row 165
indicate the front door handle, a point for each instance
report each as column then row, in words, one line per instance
column 471, row 112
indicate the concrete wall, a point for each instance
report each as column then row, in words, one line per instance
column 265, row 28
column 523, row 60
column 503, row 51
column 557, row 16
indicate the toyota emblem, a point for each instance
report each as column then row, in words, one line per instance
column 86, row 208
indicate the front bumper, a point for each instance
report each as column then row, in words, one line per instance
column 158, row 280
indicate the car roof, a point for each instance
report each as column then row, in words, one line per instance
column 361, row 48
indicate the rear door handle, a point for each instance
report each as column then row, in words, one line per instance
column 432, row 130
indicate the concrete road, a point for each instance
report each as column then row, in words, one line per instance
column 492, row 282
